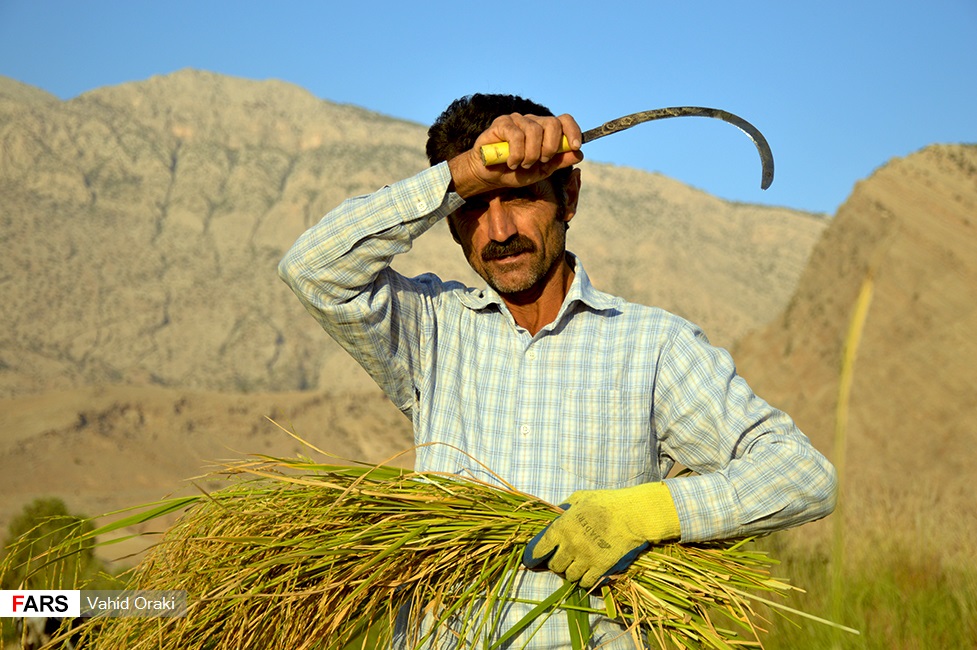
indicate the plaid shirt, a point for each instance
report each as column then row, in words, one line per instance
column 610, row 394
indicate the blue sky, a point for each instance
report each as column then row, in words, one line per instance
column 838, row 87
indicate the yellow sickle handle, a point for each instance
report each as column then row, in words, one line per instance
column 497, row 153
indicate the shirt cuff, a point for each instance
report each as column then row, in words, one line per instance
column 423, row 199
column 706, row 506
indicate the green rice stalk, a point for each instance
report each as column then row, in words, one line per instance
column 298, row 554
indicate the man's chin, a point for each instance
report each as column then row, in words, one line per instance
column 510, row 283
column 512, row 275
column 509, row 289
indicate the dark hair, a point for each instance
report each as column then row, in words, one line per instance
column 456, row 129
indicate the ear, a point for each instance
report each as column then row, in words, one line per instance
column 573, row 195
column 452, row 229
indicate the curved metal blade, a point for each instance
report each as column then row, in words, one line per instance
column 626, row 122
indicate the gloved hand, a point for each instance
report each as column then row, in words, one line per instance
column 603, row 532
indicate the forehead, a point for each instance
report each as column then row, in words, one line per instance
column 539, row 190
column 478, row 205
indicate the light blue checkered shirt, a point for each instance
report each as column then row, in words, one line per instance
column 610, row 394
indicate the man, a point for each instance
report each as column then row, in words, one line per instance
column 566, row 392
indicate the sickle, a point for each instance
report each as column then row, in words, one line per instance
column 493, row 154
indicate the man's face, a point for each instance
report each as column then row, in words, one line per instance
column 513, row 238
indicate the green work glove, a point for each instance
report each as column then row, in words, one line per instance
column 603, row 531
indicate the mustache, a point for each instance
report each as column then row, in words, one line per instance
column 513, row 246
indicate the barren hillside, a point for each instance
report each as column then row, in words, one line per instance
column 143, row 224
column 913, row 417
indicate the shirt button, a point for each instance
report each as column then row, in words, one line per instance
column 524, row 429
column 532, row 355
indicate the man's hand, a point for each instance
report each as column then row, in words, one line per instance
column 603, row 531
column 534, row 142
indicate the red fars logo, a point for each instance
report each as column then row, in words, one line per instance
column 35, row 602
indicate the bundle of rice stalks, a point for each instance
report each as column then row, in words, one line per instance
column 295, row 554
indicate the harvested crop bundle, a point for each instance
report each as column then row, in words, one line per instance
column 295, row 554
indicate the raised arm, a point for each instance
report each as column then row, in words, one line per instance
column 340, row 271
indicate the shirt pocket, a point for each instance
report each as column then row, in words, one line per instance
column 606, row 438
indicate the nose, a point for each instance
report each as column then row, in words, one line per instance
column 501, row 226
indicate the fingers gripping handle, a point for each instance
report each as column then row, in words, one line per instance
column 498, row 152
column 494, row 154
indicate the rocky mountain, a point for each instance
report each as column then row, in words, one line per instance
column 143, row 224
column 910, row 457
column 144, row 328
